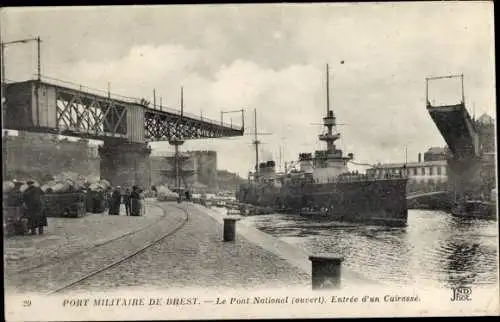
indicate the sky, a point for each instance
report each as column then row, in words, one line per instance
column 272, row 58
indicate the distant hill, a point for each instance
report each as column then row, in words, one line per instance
column 228, row 180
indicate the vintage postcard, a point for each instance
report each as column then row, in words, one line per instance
column 249, row 161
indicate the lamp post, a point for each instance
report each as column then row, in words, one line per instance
column 22, row 41
column 3, row 45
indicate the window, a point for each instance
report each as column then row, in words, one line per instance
column 414, row 171
column 438, row 171
column 422, row 171
column 431, row 172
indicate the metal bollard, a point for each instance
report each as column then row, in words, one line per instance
column 230, row 229
column 326, row 272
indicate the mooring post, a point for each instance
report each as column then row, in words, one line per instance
column 230, row 229
column 326, row 272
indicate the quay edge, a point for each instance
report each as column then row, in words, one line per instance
column 297, row 257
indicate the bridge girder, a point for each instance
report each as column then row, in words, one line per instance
column 163, row 126
column 79, row 112
column 457, row 128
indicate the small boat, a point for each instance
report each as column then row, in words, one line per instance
column 251, row 210
column 475, row 209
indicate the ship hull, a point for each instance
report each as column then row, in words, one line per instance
column 378, row 202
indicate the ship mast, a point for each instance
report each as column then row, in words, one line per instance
column 327, row 90
column 329, row 121
column 256, row 142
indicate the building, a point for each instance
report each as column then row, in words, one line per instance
column 423, row 176
column 436, row 154
column 196, row 168
column 485, row 125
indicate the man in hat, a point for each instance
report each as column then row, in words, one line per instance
column 32, row 202
column 135, row 206
column 126, row 200
column 116, row 198
column 15, row 213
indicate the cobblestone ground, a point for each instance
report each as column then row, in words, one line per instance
column 66, row 236
column 195, row 256
column 54, row 274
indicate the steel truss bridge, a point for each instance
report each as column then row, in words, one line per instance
column 40, row 106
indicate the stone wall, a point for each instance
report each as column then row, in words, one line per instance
column 229, row 181
column 471, row 179
column 163, row 170
column 206, row 162
column 197, row 166
column 33, row 155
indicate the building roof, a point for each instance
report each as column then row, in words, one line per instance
column 436, row 149
column 409, row 164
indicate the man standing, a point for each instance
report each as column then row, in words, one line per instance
column 135, row 206
column 15, row 217
column 126, row 201
column 32, row 202
column 107, row 197
column 116, row 196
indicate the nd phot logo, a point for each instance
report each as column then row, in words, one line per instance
column 461, row 294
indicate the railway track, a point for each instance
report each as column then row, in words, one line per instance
column 123, row 259
column 94, row 247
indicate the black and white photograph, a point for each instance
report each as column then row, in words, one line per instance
column 228, row 161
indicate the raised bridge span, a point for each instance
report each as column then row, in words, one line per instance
column 125, row 125
column 471, row 164
column 455, row 124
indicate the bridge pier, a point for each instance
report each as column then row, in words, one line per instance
column 470, row 178
column 124, row 163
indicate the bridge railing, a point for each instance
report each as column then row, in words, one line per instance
column 127, row 99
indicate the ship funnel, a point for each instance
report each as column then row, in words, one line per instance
column 306, row 162
column 271, row 166
column 267, row 169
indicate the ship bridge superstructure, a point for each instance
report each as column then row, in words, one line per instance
column 329, row 163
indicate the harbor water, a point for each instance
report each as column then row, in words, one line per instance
column 435, row 249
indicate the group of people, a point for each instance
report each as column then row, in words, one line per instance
column 129, row 198
column 28, row 214
column 30, row 203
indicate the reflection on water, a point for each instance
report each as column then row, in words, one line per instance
column 435, row 248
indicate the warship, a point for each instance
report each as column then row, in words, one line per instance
column 323, row 186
